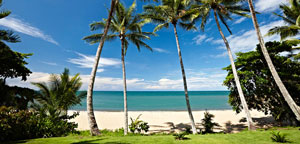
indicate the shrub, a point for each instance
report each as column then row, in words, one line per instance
column 25, row 124
column 207, row 122
column 180, row 136
column 278, row 137
column 138, row 125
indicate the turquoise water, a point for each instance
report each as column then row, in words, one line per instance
column 158, row 100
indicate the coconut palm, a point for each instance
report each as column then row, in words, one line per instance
column 175, row 12
column 60, row 94
column 90, row 110
column 282, row 88
column 126, row 25
column 291, row 17
column 94, row 130
column 223, row 9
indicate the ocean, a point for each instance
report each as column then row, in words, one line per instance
column 157, row 101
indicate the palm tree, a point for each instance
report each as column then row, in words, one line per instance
column 90, row 110
column 60, row 94
column 7, row 35
column 223, row 9
column 174, row 12
column 126, row 25
column 291, row 17
column 283, row 90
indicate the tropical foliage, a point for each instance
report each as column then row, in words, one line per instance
column 259, row 87
column 59, row 94
column 291, row 16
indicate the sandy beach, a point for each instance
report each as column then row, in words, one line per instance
column 168, row 121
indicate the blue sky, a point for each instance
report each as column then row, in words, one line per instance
column 52, row 30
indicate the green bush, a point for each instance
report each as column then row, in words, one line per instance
column 25, row 124
column 278, row 137
column 138, row 125
column 207, row 122
column 180, row 136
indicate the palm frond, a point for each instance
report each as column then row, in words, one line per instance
column 188, row 26
column 224, row 22
column 95, row 38
column 160, row 26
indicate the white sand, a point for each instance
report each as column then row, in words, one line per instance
column 164, row 120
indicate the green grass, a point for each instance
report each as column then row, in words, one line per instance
column 247, row 137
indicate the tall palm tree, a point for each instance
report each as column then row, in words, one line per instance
column 94, row 130
column 223, row 9
column 175, row 12
column 282, row 88
column 291, row 17
column 126, row 25
column 90, row 110
column 60, row 94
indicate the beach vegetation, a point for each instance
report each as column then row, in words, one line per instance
column 26, row 124
column 180, row 136
column 127, row 26
column 280, row 84
column 260, row 88
column 138, row 125
column 175, row 13
column 59, row 94
column 207, row 123
column 279, row 137
column 223, row 11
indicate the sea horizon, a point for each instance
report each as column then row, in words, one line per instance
column 157, row 101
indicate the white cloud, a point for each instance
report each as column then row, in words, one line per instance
column 160, row 50
column 240, row 20
column 199, row 39
column 248, row 40
column 268, row 5
column 87, row 61
column 197, row 80
column 25, row 28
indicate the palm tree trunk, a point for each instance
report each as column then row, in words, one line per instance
column 125, row 90
column 185, row 83
column 90, row 110
column 283, row 90
column 236, row 77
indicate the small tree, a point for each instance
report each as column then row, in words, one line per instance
column 60, row 94
column 207, row 122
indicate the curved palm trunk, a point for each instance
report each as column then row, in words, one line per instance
column 125, row 90
column 236, row 77
column 90, row 111
column 185, row 84
column 283, row 90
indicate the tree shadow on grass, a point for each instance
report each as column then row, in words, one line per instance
column 116, row 143
column 94, row 141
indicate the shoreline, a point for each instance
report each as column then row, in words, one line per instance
column 172, row 121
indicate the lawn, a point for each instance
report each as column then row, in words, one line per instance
column 245, row 137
